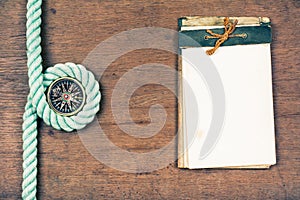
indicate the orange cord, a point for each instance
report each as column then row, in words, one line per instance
column 229, row 27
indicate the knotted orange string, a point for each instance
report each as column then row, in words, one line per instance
column 229, row 27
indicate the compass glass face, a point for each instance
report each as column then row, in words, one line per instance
column 66, row 96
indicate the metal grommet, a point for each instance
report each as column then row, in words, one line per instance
column 66, row 96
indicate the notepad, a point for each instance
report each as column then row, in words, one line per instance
column 225, row 100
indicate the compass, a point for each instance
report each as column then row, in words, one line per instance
column 66, row 96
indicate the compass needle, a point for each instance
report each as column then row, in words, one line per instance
column 69, row 104
column 58, row 99
column 70, row 88
column 62, row 105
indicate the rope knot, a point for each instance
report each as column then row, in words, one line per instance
column 37, row 105
column 229, row 28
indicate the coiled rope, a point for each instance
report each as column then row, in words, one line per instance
column 37, row 105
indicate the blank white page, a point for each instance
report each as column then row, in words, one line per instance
column 247, row 137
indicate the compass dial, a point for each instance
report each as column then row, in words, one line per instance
column 66, row 96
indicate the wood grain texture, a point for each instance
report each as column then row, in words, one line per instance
column 71, row 29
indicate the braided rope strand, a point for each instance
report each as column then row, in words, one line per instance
column 29, row 127
column 37, row 105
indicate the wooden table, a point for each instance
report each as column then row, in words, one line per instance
column 71, row 29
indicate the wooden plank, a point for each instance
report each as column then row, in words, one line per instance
column 71, row 29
